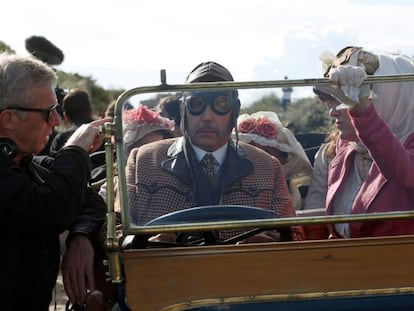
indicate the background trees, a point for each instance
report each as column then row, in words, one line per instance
column 305, row 114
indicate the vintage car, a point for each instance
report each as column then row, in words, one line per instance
column 373, row 273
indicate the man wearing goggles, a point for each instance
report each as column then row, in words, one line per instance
column 205, row 166
column 209, row 118
column 221, row 102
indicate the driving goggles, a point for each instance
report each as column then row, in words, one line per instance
column 48, row 112
column 220, row 102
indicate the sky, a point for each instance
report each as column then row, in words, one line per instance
column 125, row 43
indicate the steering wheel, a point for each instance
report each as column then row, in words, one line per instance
column 210, row 213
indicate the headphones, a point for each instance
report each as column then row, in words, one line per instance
column 8, row 147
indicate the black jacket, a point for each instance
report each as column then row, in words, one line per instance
column 37, row 204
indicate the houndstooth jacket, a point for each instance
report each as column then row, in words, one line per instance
column 159, row 181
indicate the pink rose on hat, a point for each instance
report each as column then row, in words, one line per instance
column 143, row 116
column 266, row 128
column 142, row 121
column 248, row 126
column 261, row 126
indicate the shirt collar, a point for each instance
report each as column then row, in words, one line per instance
column 219, row 154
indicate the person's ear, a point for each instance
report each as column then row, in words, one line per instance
column 8, row 119
column 65, row 117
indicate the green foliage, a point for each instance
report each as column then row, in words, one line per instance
column 5, row 48
column 100, row 97
column 269, row 102
column 307, row 115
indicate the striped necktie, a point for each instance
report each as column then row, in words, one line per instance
column 209, row 162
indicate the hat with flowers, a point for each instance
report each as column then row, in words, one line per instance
column 264, row 128
column 142, row 121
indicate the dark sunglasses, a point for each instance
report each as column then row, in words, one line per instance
column 48, row 113
column 220, row 102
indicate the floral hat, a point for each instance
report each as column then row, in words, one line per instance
column 265, row 129
column 142, row 121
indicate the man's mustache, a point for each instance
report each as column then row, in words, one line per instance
column 207, row 128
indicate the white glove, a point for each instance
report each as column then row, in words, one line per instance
column 350, row 78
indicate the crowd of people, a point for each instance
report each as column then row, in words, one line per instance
column 193, row 149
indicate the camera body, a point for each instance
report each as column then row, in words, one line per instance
column 60, row 94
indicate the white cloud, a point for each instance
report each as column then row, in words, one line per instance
column 125, row 43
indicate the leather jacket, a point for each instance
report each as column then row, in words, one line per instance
column 42, row 198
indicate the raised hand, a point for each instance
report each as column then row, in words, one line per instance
column 88, row 136
column 351, row 81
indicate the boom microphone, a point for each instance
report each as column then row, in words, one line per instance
column 44, row 50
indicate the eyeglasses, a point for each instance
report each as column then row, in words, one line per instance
column 220, row 102
column 47, row 112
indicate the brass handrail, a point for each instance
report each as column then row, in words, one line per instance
column 272, row 223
